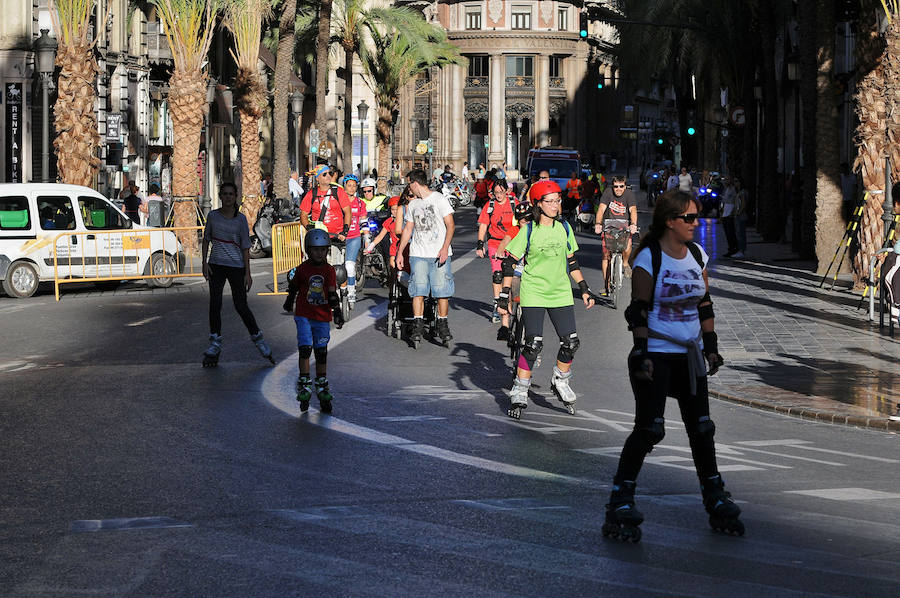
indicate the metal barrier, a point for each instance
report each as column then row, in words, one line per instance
column 129, row 254
column 287, row 250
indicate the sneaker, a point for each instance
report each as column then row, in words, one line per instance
column 503, row 333
column 730, row 254
column 738, row 255
column 495, row 317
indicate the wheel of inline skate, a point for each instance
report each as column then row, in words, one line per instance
column 734, row 527
column 515, row 412
column 570, row 407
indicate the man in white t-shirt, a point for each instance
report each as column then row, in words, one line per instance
column 672, row 181
column 685, row 181
column 428, row 229
column 295, row 188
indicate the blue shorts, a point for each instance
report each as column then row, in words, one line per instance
column 313, row 333
column 428, row 277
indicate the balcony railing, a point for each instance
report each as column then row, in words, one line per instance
column 520, row 82
column 157, row 44
column 477, row 82
column 557, row 83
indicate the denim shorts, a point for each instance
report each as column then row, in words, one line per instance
column 312, row 333
column 428, row 277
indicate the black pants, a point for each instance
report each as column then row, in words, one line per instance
column 235, row 277
column 670, row 378
column 730, row 233
column 562, row 318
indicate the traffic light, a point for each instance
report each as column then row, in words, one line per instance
column 691, row 123
column 313, row 141
column 430, row 146
column 659, row 141
column 691, row 131
column 601, row 81
column 583, row 25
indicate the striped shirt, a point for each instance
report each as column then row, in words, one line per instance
column 228, row 237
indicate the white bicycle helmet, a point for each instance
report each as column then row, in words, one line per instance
column 367, row 182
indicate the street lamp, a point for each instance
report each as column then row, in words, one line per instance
column 518, row 143
column 45, row 48
column 297, row 109
column 362, row 111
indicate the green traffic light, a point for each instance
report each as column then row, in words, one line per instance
column 599, row 86
column 659, row 141
column 583, row 33
column 691, row 130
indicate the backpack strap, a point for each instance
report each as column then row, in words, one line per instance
column 528, row 238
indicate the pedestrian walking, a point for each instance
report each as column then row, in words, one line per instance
column 312, row 296
column 546, row 246
column 671, row 319
column 132, row 203
column 741, row 199
column 729, row 196
column 226, row 257
column 295, row 188
column 428, row 230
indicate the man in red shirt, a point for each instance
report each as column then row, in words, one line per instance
column 336, row 219
column 496, row 221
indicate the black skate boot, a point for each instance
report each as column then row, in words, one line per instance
column 442, row 331
column 622, row 518
column 417, row 332
column 723, row 512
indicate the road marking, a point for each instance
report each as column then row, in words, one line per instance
column 847, row 494
column 512, row 504
column 536, row 426
column 725, row 455
column 607, row 422
column 129, row 523
column 320, row 513
column 144, row 321
column 411, row 418
column 803, row 444
column 785, row 455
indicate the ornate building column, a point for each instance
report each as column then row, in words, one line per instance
column 579, row 65
column 459, row 139
column 497, row 123
column 542, row 101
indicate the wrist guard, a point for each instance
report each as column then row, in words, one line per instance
column 503, row 299
column 584, row 288
column 480, row 245
column 710, row 343
column 508, row 265
column 345, row 229
column 639, row 364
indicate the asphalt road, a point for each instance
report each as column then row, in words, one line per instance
column 128, row 470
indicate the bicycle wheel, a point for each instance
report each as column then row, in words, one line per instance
column 615, row 279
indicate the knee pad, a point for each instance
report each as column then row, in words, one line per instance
column 705, row 428
column 305, row 351
column 351, row 269
column 653, row 434
column 321, row 355
column 567, row 349
column 532, row 348
column 497, row 277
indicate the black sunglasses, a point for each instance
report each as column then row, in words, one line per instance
column 688, row 218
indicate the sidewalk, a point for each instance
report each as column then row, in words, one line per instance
column 793, row 348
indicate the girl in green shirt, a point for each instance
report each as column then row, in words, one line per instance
column 548, row 248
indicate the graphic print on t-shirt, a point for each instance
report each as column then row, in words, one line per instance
column 426, row 224
column 316, row 293
column 678, row 294
column 616, row 209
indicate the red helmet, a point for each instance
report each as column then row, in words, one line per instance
column 542, row 188
column 394, row 201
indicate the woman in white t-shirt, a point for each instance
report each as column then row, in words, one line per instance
column 671, row 318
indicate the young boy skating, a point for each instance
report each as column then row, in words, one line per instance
column 313, row 283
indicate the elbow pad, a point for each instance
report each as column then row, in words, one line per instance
column 508, row 266
column 636, row 314
column 573, row 264
column 705, row 309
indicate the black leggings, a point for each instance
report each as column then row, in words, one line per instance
column 235, row 277
column 670, row 378
column 563, row 320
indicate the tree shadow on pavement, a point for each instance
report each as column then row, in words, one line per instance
column 784, row 287
column 479, row 308
column 809, row 312
column 489, row 369
column 768, row 269
column 852, row 384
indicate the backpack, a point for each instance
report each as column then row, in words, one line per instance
column 656, row 261
column 528, row 239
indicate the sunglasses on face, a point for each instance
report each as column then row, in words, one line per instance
column 688, row 218
column 618, row 186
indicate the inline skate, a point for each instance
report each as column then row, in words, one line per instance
column 211, row 355
column 324, row 394
column 723, row 512
column 559, row 383
column 518, row 397
column 623, row 520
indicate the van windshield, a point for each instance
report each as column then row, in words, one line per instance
column 557, row 167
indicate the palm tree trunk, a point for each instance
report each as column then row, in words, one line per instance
column 250, row 163
column 322, row 43
column 75, row 120
column 829, row 222
column 284, row 62
column 347, row 150
column 187, row 104
column 383, row 133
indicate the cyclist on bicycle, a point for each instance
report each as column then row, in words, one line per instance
column 547, row 246
column 617, row 209
column 495, row 222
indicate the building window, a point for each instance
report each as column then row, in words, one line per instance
column 473, row 17
column 479, row 66
column 562, row 19
column 521, row 17
column 519, row 66
column 556, row 66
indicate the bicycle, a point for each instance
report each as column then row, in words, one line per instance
column 615, row 238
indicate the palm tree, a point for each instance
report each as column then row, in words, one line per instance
column 244, row 19
column 397, row 57
column 284, row 63
column 190, row 25
column 75, row 121
column 879, row 120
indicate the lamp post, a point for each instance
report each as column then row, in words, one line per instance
column 45, row 48
column 297, row 108
column 518, row 143
column 362, row 111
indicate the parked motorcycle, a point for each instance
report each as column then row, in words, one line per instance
column 273, row 211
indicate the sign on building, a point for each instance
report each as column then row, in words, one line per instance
column 113, row 126
column 14, row 124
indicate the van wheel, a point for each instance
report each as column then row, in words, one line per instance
column 21, row 280
column 161, row 263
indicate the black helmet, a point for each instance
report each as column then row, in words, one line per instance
column 317, row 238
column 523, row 211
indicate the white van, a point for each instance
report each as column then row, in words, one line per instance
column 32, row 216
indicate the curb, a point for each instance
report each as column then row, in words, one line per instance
column 883, row 424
